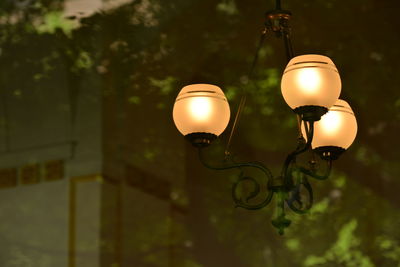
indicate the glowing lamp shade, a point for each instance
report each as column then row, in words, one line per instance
column 201, row 108
column 337, row 128
column 310, row 80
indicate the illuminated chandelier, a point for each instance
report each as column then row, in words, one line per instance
column 311, row 86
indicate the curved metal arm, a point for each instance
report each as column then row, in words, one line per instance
column 238, row 201
column 304, row 182
column 297, row 198
column 244, row 204
column 314, row 175
column 301, row 148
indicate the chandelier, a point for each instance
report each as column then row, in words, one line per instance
column 311, row 86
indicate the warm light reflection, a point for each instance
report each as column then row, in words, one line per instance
column 331, row 123
column 309, row 80
column 200, row 108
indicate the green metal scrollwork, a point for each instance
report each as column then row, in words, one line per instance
column 288, row 187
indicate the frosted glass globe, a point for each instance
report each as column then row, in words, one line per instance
column 201, row 108
column 310, row 80
column 337, row 128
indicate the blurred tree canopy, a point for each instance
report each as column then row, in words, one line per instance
column 141, row 52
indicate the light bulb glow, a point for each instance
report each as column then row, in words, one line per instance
column 331, row 123
column 309, row 80
column 200, row 108
column 338, row 127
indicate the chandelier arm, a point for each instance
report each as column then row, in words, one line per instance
column 244, row 91
column 257, row 53
column 300, row 137
column 307, row 186
column 254, row 164
column 244, row 204
column 288, row 43
column 296, row 197
column 253, row 194
column 301, row 148
column 238, row 201
column 313, row 174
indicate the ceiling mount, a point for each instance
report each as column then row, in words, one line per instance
column 277, row 21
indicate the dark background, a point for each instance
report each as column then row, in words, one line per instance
column 94, row 172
